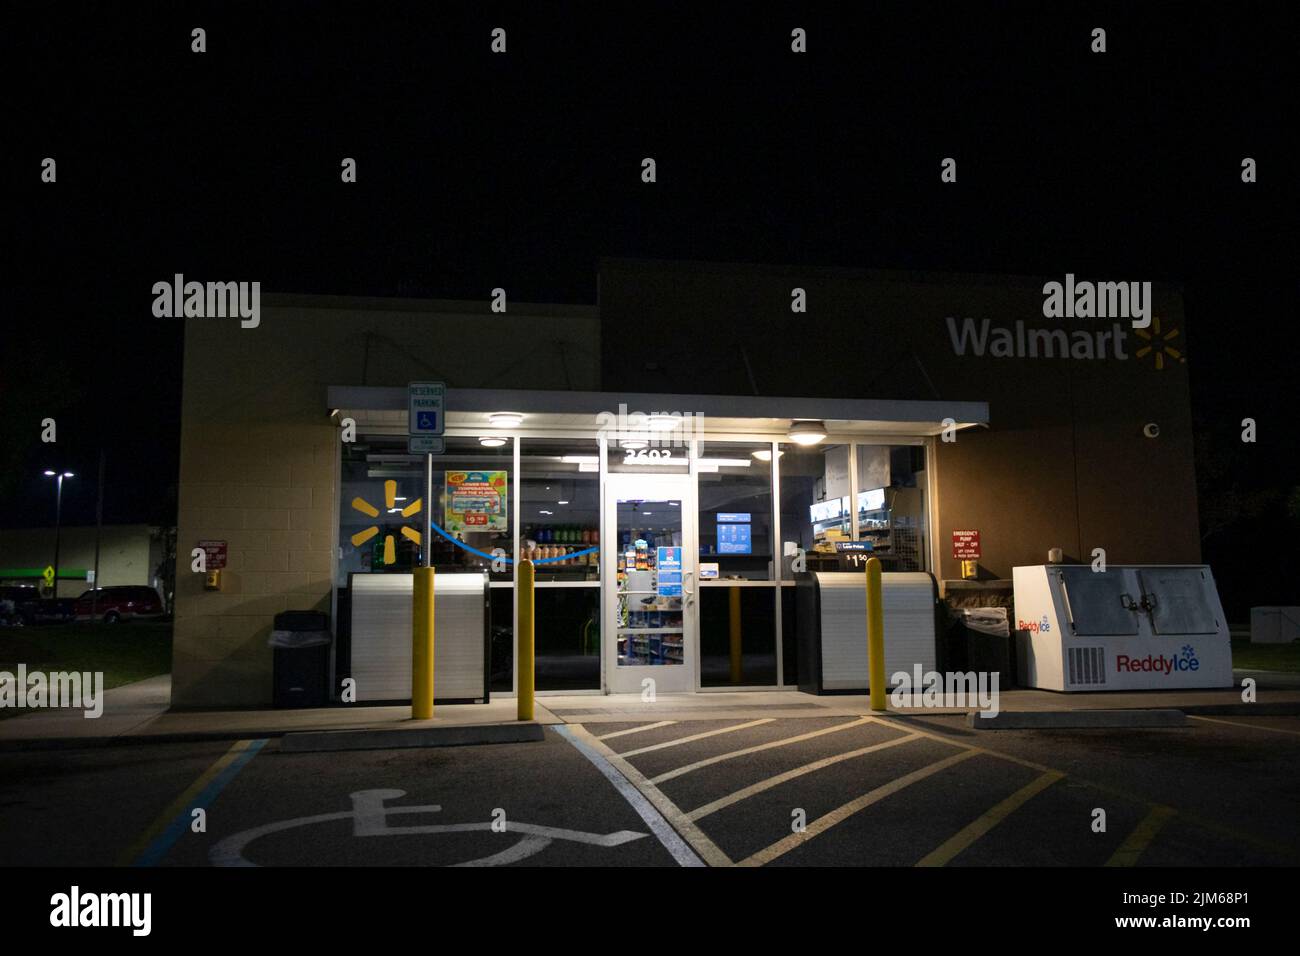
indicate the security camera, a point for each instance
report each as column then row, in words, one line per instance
column 1151, row 430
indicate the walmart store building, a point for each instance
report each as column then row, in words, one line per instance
column 690, row 410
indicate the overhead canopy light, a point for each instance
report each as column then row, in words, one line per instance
column 491, row 442
column 765, row 454
column 663, row 422
column 505, row 419
column 633, row 443
column 807, row 432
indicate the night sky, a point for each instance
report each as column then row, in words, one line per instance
column 479, row 170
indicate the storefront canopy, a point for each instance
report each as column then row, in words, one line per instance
column 384, row 409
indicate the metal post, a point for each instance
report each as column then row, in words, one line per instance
column 875, row 636
column 524, row 666
column 58, row 519
column 422, row 608
column 428, row 510
column 99, row 527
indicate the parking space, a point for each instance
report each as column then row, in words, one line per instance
column 930, row 792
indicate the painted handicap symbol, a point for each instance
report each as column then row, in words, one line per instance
column 369, row 816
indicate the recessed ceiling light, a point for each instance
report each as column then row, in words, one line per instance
column 807, row 432
column 505, row 419
column 633, row 443
column 561, row 502
column 491, row 442
column 663, row 422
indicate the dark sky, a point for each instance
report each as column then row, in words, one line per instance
column 522, row 170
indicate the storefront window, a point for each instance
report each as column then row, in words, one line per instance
column 560, row 516
column 473, row 484
column 737, row 621
column 814, row 505
column 382, row 523
column 818, row 508
column 892, row 506
column 735, row 504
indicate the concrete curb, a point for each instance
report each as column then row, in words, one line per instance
column 35, row 744
column 322, row 741
column 1076, row 719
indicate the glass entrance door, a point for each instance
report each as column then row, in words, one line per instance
column 649, row 598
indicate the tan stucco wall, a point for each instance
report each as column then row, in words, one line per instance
column 259, row 457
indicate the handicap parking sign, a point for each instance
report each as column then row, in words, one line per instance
column 425, row 407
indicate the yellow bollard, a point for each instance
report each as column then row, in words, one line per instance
column 524, row 666
column 734, row 609
column 422, row 645
column 875, row 636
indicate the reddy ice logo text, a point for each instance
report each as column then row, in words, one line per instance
column 1155, row 664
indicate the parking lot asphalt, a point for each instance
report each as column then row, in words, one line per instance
column 816, row 790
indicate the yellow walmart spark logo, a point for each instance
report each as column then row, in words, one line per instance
column 390, row 502
column 1159, row 345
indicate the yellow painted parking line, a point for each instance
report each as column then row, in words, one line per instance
column 1141, row 837
column 182, row 803
column 1237, row 723
column 700, row 736
column 780, row 778
column 784, row 741
column 838, row 815
column 1269, row 845
column 976, row 829
column 636, row 730
column 709, row 851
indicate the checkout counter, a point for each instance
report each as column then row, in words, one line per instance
column 832, row 627
column 1151, row 627
column 381, row 636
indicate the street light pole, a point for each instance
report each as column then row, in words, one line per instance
column 58, row 520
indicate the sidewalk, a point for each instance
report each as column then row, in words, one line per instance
column 139, row 712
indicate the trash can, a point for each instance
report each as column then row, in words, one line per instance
column 987, row 641
column 300, row 643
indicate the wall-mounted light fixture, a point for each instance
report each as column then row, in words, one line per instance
column 807, row 432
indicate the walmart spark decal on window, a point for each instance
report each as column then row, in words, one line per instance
column 390, row 502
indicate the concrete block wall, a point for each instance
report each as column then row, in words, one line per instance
column 268, row 491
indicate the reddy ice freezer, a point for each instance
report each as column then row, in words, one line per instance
column 1126, row 628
